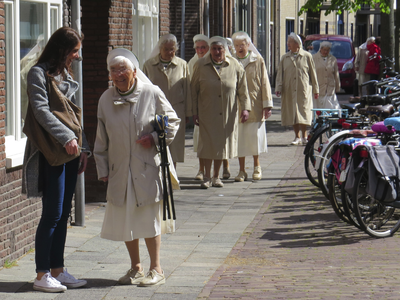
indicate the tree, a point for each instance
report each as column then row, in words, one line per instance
column 389, row 38
column 344, row 5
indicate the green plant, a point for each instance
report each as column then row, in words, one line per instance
column 9, row 264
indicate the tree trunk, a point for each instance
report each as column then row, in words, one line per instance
column 396, row 36
column 387, row 33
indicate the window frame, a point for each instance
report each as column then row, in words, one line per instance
column 15, row 142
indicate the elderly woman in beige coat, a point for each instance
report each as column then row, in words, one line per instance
column 328, row 77
column 252, row 139
column 296, row 82
column 218, row 85
column 171, row 74
column 360, row 64
column 127, row 158
column 201, row 46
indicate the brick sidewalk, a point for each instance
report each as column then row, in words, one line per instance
column 297, row 248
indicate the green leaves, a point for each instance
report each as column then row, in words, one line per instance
column 344, row 5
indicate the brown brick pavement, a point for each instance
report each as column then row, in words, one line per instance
column 296, row 248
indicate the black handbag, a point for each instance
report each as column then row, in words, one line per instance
column 64, row 110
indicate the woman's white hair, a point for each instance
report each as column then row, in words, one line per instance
column 325, row 44
column 241, row 36
column 371, row 38
column 121, row 59
column 169, row 39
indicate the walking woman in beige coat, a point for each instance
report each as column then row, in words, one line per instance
column 328, row 77
column 296, row 82
column 252, row 139
column 171, row 74
column 218, row 84
column 201, row 46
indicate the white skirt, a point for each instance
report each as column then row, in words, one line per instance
column 129, row 222
column 195, row 137
column 252, row 139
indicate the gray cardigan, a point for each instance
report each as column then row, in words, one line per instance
column 37, row 93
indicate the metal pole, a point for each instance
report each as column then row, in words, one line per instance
column 183, row 30
column 77, row 68
column 207, row 33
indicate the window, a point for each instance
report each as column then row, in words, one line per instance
column 261, row 27
column 29, row 25
column 326, row 27
column 244, row 16
column 289, row 30
column 145, row 28
column 301, row 26
column 340, row 24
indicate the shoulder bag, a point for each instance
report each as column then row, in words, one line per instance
column 64, row 110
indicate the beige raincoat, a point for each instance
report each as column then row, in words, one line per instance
column 175, row 83
column 297, row 82
column 215, row 100
column 327, row 74
column 258, row 86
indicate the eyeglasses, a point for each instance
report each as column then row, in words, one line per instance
column 117, row 71
column 201, row 47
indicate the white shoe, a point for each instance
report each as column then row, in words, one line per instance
column 257, row 174
column 297, row 141
column 70, row 281
column 48, row 284
column 133, row 276
column 242, row 176
column 199, row 176
column 153, row 278
column 304, row 141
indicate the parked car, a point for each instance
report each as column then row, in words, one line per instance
column 343, row 50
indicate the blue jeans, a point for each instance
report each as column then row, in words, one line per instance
column 58, row 188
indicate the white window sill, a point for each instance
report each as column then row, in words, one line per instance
column 14, row 160
column 14, row 152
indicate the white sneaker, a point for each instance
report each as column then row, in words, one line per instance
column 153, row 278
column 70, row 281
column 304, row 141
column 133, row 276
column 297, row 141
column 48, row 284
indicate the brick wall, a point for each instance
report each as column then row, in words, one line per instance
column 106, row 24
column 18, row 216
column 192, row 24
column 164, row 17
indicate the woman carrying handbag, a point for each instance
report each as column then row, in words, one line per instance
column 51, row 174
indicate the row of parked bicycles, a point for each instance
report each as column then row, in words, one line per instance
column 353, row 156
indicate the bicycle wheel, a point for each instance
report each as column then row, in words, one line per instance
column 348, row 207
column 335, row 197
column 319, row 137
column 322, row 169
column 377, row 219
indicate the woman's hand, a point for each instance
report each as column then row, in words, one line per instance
column 82, row 163
column 316, row 96
column 104, row 179
column 267, row 112
column 278, row 93
column 196, row 120
column 244, row 116
column 72, row 147
column 146, row 141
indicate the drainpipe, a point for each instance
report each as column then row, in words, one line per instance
column 77, row 68
column 207, row 20
column 183, row 30
column 221, row 18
